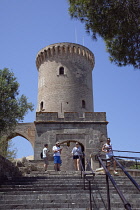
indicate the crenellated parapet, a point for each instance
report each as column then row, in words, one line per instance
column 64, row 49
column 70, row 117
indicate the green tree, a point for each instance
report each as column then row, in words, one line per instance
column 117, row 22
column 6, row 148
column 12, row 108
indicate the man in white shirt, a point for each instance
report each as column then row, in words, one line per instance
column 57, row 156
column 45, row 156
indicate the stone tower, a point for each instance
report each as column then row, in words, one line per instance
column 65, row 78
column 65, row 110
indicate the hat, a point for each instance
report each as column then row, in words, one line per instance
column 57, row 142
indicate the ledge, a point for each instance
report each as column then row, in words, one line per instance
column 71, row 122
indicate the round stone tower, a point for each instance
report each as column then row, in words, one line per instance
column 65, row 78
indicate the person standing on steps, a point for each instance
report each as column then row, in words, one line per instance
column 57, row 156
column 107, row 148
column 45, row 156
column 77, row 154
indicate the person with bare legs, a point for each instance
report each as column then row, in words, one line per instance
column 107, row 148
column 77, row 153
column 57, row 156
column 45, row 156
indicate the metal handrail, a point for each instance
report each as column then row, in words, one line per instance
column 124, row 151
column 137, row 159
column 108, row 175
column 128, row 157
column 127, row 174
column 134, row 158
column 84, row 173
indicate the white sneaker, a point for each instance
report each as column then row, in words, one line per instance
column 115, row 172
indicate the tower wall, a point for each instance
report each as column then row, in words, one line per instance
column 90, row 131
column 65, row 78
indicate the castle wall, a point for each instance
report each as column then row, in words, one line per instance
column 89, row 130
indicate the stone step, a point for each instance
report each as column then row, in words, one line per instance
column 64, row 209
column 63, row 190
column 42, row 205
column 22, row 199
column 61, row 196
column 60, row 189
column 25, row 192
column 61, row 184
column 44, row 196
column 57, row 177
column 79, row 208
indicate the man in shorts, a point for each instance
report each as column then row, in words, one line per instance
column 45, row 156
column 107, row 148
column 57, row 156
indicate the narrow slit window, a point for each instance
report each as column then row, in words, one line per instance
column 61, row 70
column 41, row 106
column 83, row 104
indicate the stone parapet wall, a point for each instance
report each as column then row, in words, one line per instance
column 71, row 116
column 8, row 170
column 64, row 49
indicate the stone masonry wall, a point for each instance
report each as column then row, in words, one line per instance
column 90, row 131
column 7, row 169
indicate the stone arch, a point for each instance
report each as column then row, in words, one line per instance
column 15, row 134
column 67, row 158
column 25, row 130
column 22, row 145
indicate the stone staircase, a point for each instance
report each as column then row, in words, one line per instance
column 64, row 190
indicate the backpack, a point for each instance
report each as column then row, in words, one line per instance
column 41, row 155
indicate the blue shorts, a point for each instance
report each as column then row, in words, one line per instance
column 57, row 159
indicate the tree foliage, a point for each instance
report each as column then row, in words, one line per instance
column 6, row 148
column 117, row 22
column 12, row 108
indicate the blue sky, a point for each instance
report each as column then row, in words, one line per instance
column 28, row 26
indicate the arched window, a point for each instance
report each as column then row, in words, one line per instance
column 61, row 70
column 41, row 106
column 83, row 104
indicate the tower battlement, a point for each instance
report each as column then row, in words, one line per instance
column 64, row 49
column 71, row 117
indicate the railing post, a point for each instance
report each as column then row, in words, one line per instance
column 108, row 193
column 136, row 164
column 90, row 195
column 84, row 181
